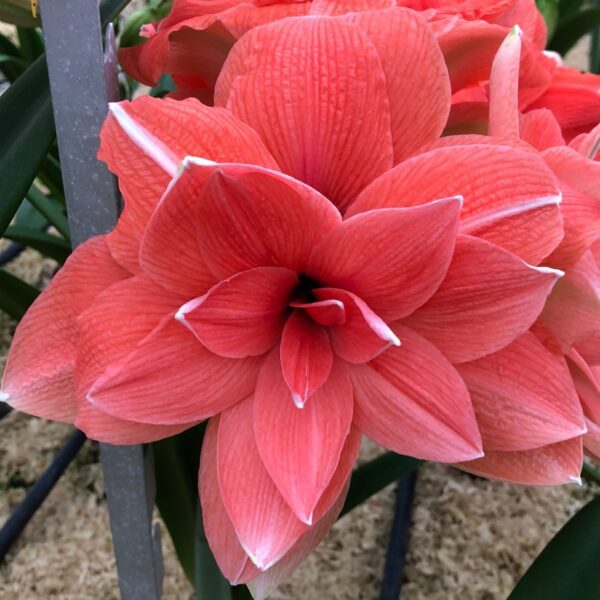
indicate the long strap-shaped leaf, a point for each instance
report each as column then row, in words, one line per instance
column 27, row 127
column 16, row 296
column 569, row 566
column 26, row 132
column 573, row 28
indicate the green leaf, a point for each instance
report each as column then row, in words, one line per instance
column 16, row 60
column 31, row 42
column 567, row 568
column 573, row 28
column 370, row 478
column 588, row 473
column 569, row 7
column 176, row 461
column 209, row 583
column 9, row 69
column 549, row 10
column 27, row 127
column 26, row 132
column 49, row 245
column 51, row 209
column 51, row 176
column 16, row 296
column 29, row 216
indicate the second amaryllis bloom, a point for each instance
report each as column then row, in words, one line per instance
column 302, row 265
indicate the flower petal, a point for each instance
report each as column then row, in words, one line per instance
column 171, row 378
column 412, row 401
column 110, row 330
column 324, row 312
column 416, row 76
column 301, row 447
column 523, row 397
column 504, row 87
column 315, row 91
column 510, row 196
column 393, row 259
column 220, row 533
column 143, row 142
column 39, row 374
column 541, row 129
column 555, row 464
column 572, row 311
column 264, row 585
column 363, row 335
column 243, row 315
column 488, row 298
column 265, row 524
column 240, row 217
column 306, row 357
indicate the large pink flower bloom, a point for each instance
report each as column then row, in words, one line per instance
column 232, row 287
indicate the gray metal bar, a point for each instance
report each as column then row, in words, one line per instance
column 80, row 91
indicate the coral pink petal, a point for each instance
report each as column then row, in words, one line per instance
column 324, row 312
column 573, row 309
column 143, row 142
column 39, row 374
column 523, row 397
column 510, row 196
column 504, row 87
column 301, row 447
column 393, row 259
column 265, row 525
column 470, row 48
column 555, row 464
column 575, row 169
column 541, row 129
column 587, row 384
column 220, row 533
column 306, row 357
column 412, row 401
column 110, row 329
column 576, row 108
column 266, row 583
column 488, row 298
column 315, row 91
column 417, row 80
column 171, row 378
column 243, row 315
column 242, row 216
column 363, row 335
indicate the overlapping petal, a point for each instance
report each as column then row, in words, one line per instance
column 328, row 124
column 143, row 142
column 412, row 401
column 555, row 464
column 510, row 196
column 39, row 375
column 306, row 357
column 171, row 378
column 392, row 259
column 265, row 524
column 488, row 298
column 523, row 397
column 243, row 315
column 311, row 438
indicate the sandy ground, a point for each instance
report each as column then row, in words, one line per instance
column 471, row 539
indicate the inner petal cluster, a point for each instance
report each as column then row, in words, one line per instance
column 250, row 313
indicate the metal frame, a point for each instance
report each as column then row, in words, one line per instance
column 82, row 82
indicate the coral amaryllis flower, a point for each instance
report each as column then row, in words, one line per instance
column 290, row 266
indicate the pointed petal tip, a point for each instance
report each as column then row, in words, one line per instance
column 299, row 400
column 548, row 271
column 260, row 562
column 575, row 480
column 197, row 161
column 516, row 31
column 4, row 397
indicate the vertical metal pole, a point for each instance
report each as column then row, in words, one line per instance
column 80, row 91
